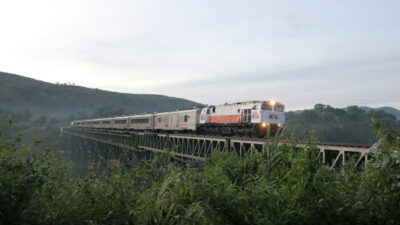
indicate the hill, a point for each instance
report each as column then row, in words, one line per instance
column 351, row 125
column 387, row 109
column 20, row 93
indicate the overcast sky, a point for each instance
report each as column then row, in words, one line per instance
column 211, row 51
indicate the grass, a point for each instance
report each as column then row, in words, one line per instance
column 280, row 185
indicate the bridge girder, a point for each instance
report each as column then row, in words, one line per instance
column 197, row 148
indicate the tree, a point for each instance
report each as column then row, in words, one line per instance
column 42, row 120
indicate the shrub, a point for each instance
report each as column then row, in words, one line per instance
column 280, row 185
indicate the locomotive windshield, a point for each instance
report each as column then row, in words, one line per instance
column 275, row 107
column 279, row 108
column 266, row 106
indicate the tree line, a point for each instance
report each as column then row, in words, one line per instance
column 350, row 125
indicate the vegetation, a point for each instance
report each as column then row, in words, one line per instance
column 351, row 125
column 280, row 185
column 387, row 109
column 51, row 100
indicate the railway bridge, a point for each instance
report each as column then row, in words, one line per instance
column 195, row 148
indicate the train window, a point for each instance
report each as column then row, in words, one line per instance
column 97, row 122
column 186, row 118
column 280, row 108
column 208, row 111
column 120, row 121
column 159, row 119
column 213, row 109
column 106, row 122
column 238, row 110
column 266, row 106
column 139, row 121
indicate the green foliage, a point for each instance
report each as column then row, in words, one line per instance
column 282, row 184
column 109, row 111
column 41, row 121
column 330, row 124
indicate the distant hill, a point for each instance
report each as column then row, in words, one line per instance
column 20, row 93
column 387, row 109
column 352, row 124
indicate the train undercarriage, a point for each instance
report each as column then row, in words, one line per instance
column 241, row 130
column 250, row 130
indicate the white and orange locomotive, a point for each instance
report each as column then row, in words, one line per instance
column 253, row 119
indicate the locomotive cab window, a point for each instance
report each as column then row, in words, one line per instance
column 213, row 109
column 280, row 108
column 266, row 106
column 208, row 111
column 186, row 118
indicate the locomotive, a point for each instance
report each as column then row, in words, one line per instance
column 251, row 119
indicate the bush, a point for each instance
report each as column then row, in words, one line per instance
column 280, row 185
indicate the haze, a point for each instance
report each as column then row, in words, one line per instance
column 297, row 52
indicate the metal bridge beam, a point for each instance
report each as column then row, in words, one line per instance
column 192, row 147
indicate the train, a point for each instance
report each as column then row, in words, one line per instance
column 246, row 119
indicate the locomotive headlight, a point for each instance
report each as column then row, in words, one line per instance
column 272, row 102
column 279, row 124
column 264, row 124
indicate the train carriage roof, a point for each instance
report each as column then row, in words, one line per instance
column 181, row 111
column 141, row 116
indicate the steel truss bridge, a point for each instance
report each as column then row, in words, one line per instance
column 195, row 148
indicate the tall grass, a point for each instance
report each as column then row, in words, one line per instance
column 280, row 185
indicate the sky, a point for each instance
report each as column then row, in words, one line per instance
column 211, row 51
